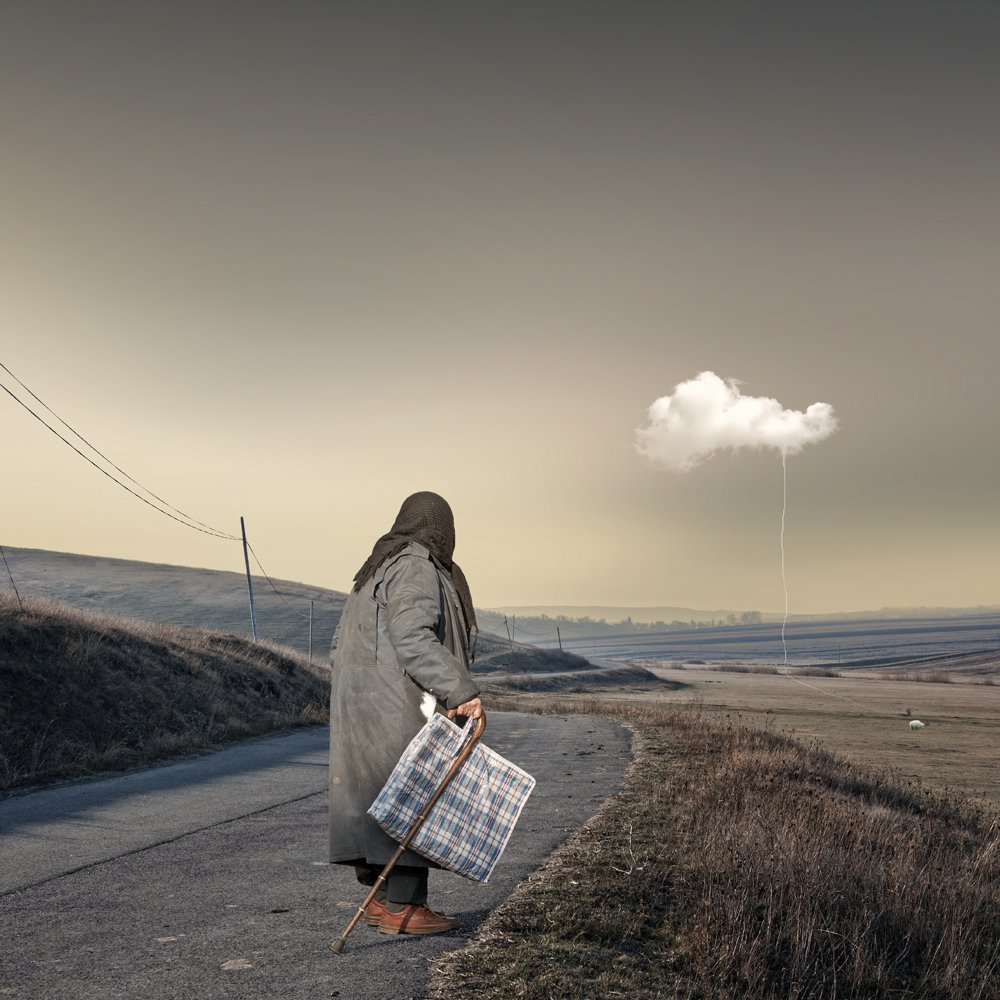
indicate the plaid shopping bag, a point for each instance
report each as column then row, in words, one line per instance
column 468, row 828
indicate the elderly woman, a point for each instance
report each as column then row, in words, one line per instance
column 401, row 652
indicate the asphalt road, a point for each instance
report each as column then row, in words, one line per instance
column 206, row 878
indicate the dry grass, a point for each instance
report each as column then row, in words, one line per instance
column 738, row 863
column 980, row 667
column 814, row 672
column 863, row 716
column 746, row 668
column 771, row 668
column 922, row 676
column 85, row 693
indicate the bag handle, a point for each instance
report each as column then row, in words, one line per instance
column 476, row 731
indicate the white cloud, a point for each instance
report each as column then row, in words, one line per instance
column 707, row 413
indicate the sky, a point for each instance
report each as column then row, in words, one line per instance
column 294, row 261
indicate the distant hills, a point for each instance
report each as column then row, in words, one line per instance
column 217, row 599
column 667, row 614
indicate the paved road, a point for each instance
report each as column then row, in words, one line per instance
column 206, row 879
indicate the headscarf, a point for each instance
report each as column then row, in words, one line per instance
column 425, row 518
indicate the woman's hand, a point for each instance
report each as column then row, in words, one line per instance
column 472, row 709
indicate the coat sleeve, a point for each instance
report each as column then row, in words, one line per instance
column 335, row 641
column 413, row 606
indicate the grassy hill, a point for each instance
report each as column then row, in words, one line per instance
column 84, row 693
column 180, row 595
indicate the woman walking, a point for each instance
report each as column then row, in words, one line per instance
column 401, row 652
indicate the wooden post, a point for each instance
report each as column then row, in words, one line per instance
column 559, row 637
column 311, row 603
column 246, row 559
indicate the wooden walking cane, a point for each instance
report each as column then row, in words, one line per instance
column 337, row 946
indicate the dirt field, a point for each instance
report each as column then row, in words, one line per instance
column 867, row 719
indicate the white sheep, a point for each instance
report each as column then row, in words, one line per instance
column 917, row 724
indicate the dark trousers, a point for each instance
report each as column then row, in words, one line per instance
column 405, row 885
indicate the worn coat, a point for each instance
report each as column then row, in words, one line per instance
column 399, row 654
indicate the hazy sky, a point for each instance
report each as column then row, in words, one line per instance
column 297, row 260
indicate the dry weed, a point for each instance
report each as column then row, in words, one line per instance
column 737, row 863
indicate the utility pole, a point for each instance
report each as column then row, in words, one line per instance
column 559, row 637
column 311, row 603
column 246, row 559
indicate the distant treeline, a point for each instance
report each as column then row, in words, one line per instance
column 544, row 627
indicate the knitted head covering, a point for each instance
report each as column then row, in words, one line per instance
column 425, row 518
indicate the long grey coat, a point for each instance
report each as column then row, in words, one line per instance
column 398, row 655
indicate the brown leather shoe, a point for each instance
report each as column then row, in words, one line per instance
column 375, row 912
column 416, row 919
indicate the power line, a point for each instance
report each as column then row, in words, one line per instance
column 187, row 524
column 528, row 631
column 205, row 529
column 273, row 587
column 271, row 583
column 500, row 636
column 98, row 451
